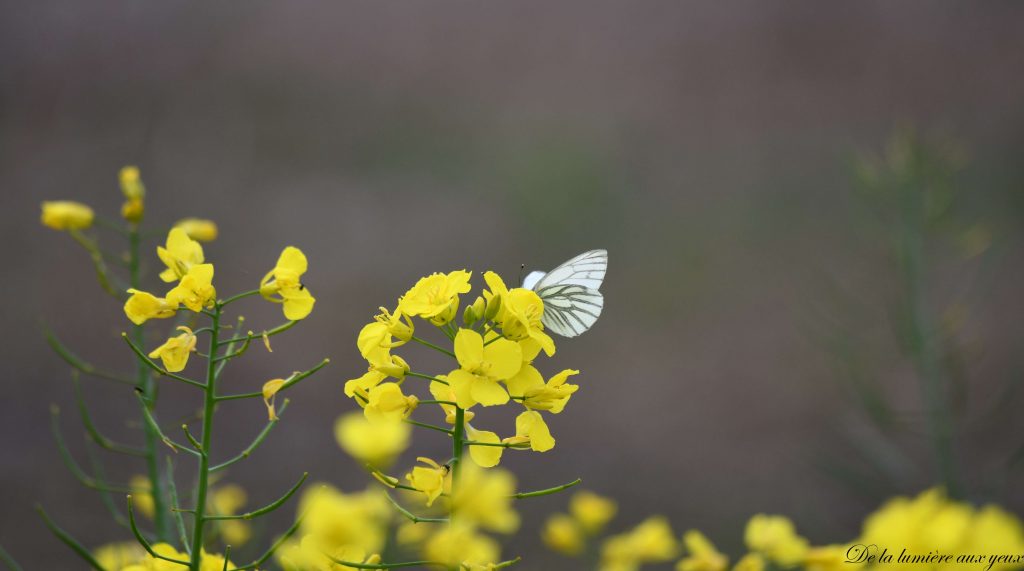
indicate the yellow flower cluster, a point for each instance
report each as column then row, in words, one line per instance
column 588, row 514
column 131, row 557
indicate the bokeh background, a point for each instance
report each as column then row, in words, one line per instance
column 710, row 147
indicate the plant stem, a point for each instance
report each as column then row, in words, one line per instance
column 209, row 403
column 147, row 384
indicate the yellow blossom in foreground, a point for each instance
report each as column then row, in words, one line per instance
column 143, row 306
column 66, row 215
column 179, row 254
column 283, row 285
column 195, row 290
column 436, row 297
column 531, row 429
column 483, row 497
column 116, row 556
column 563, row 534
column 650, row 542
column 592, row 511
column 228, row 500
column 460, row 544
column 338, row 520
column 826, row 558
column 751, row 562
column 374, row 443
column 208, row 561
column 388, row 404
column 270, row 389
column 175, row 351
column 430, row 479
column 775, row 537
column 198, row 228
column 481, row 367
column 310, row 555
column 701, row 554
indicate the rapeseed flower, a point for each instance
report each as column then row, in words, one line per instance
column 481, row 367
column 431, row 479
column 198, row 229
column 175, row 351
column 436, row 297
column 179, row 254
column 283, row 285
column 373, row 443
column 66, row 215
column 143, row 306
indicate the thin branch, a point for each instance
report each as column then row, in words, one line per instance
column 149, row 362
column 71, row 359
column 97, row 262
column 148, row 416
column 142, row 540
column 428, row 377
column 413, row 517
column 93, row 432
column 238, row 296
column 267, row 508
column 432, row 346
column 192, row 439
column 425, row 425
column 8, row 560
column 255, row 443
column 548, row 491
column 355, row 565
column 69, row 461
column 265, row 333
column 513, row 445
column 68, row 540
column 172, row 489
column 270, row 552
column 292, row 380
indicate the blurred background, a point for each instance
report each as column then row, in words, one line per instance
column 747, row 165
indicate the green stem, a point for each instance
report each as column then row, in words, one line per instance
column 458, row 444
column 432, row 346
column 8, row 560
column 147, row 384
column 239, row 296
column 209, row 403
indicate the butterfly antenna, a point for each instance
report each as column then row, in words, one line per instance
column 522, row 268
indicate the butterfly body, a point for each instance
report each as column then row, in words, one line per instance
column 570, row 292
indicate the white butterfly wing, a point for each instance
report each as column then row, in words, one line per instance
column 585, row 270
column 572, row 302
column 569, row 310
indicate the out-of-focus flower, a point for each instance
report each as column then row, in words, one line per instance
column 175, row 351
column 116, row 556
column 431, row 479
column 592, row 511
column 179, row 254
column 198, row 228
column 461, row 544
column 484, row 498
column 701, row 554
column 134, row 193
column 750, row 562
column 310, row 555
column 143, row 306
column 374, row 443
column 337, row 520
column 283, row 285
column 142, row 496
column 562, row 533
column 775, row 537
column 66, row 215
column 650, row 542
column 827, row 558
column 228, row 500
column 481, row 367
column 436, row 297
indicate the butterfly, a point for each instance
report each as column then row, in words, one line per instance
column 572, row 302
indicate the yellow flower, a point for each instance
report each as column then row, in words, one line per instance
column 115, row 556
column 359, row 388
column 481, row 367
column 310, row 554
column 195, row 290
column 142, row 497
column 531, row 429
column 133, row 209
column 198, row 228
column 753, row 562
column 484, row 456
column 650, row 542
column 436, row 297
column 535, row 394
column 592, row 511
column 562, row 534
column 131, row 183
column 227, row 500
column 701, row 554
column 444, row 392
column 460, row 545
column 484, row 498
column 430, row 479
column 175, row 351
column 180, row 254
column 336, row 519
column 520, row 312
column 270, row 390
column 826, row 558
column 388, row 404
column 142, row 306
column 66, row 215
column 284, row 281
column 374, row 443
column 775, row 537
column 207, row 561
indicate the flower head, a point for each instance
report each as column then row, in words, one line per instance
column 462, row 546
column 563, row 534
column 481, row 366
column 179, row 255
column 175, row 351
column 436, row 297
column 484, row 498
column 519, row 312
column 142, row 306
column 195, row 290
column 535, row 394
column 386, row 403
column 134, row 193
column 701, row 554
column 374, row 443
column 431, row 478
column 283, row 285
column 198, row 228
column 592, row 511
column 775, row 537
column 650, row 542
column 66, row 215
column 531, row 429
column 270, row 390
